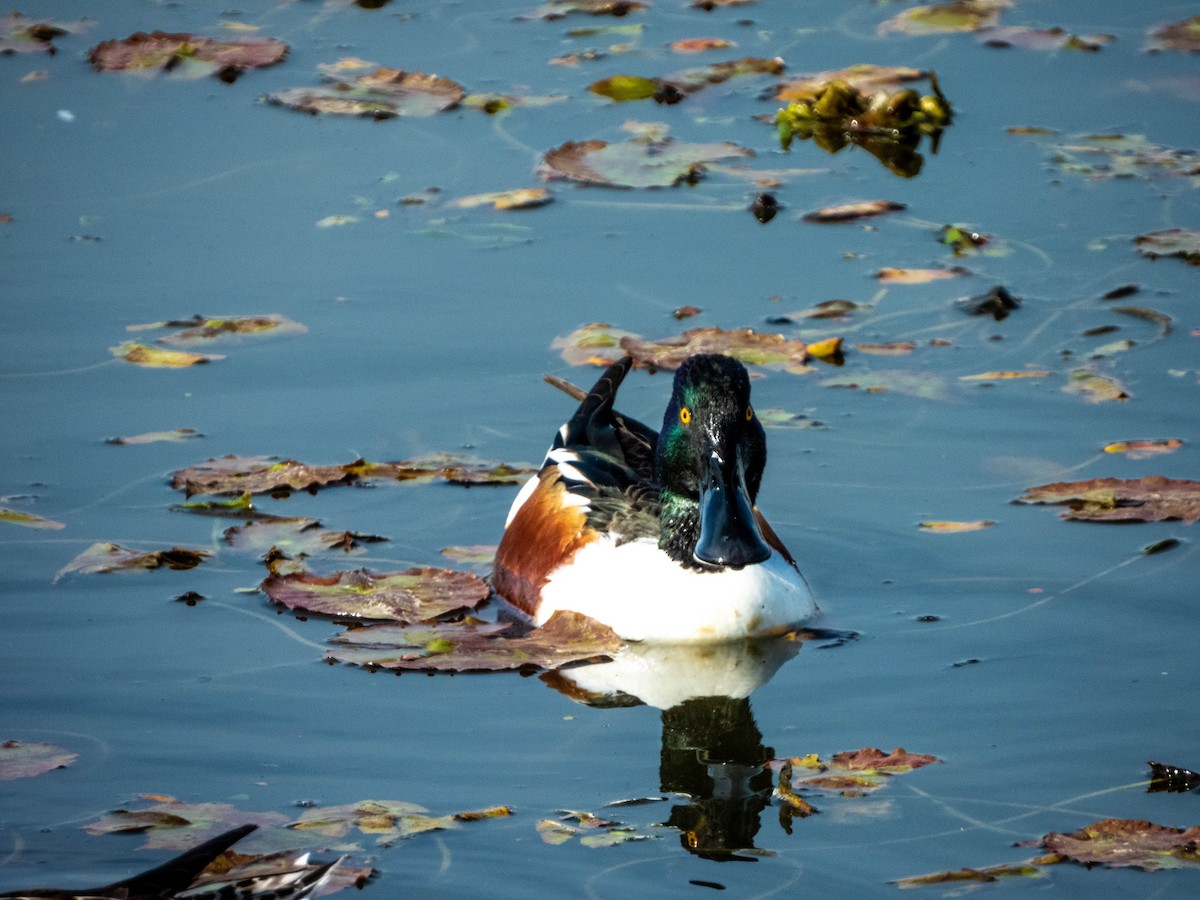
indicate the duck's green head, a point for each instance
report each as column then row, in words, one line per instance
column 709, row 463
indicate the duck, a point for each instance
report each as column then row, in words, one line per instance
column 656, row 534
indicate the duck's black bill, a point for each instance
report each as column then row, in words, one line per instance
column 729, row 533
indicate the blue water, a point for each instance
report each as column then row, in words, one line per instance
column 429, row 329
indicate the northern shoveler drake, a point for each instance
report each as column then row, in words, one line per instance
column 655, row 534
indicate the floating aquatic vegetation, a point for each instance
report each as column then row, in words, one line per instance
column 1171, row 242
column 105, row 557
column 1043, row 39
column 19, row 34
column 888, row 125
column 1143, row 449
column 186, row 55
column 890, row 275
column 200, row 329
column 958, row 16
column 673, row 88
column 28, row 520
column 294, row 536
column 175, row 436
column 1094, row 386
column 1127, row 843
column 849, row 212
column 1182, row 37
column 414, row 595
column 382, row 94
column 158, row 358
column 19, row 759
column 600, row 344
column 560, row 9
column 935, row 527
column 518, row 198
column 1149, row 499
column 647, row 160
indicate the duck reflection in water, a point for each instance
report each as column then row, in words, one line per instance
column 712, row 753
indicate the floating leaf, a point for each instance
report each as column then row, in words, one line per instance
column 592, row 831
column 1128, row 843
column 382, row 94
column 642, row 162
column 1008, row 375
column 414, row 595
column 1171, row 778
column 294, row 537
column 925, row 385
column 871, row 759
column 1172, row 242
column 826, row 309
column 828, row 350
column 685, row 312
column 890, row 348
column 1043, row 39
column 1149, row 499
column 157, row 358
column 471, row 555
column 986, row 874
column 1162, row 320
column 961, row 15
column 1110, row 349
column 866, row 79
column 1143, row 449
column 773, row 417
column 558, row 9
column 241, row 507
column 744, row 344
column 386, row 820
column 256, row 475
column 19, row 34
column 961, row 239
column 28, row 520
column 199, row 329
column 22, row 760
column 519, row 198
column 176, row 436
column 918, row 276
column 625, row 87
column 455, row 468
column 596, row 344
column 848, row 212
column 185, row 54
column 1104, row 156
column 493, row 104
column 105, row 557
column 1095, row 387
column 700, row 45
column 174, row 825
column 1183, row 37
column 955, row 527
column 567, row 638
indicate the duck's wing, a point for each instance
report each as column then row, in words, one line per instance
column 598, row 428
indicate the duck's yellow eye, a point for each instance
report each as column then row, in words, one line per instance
column 685, row 415
column 749, row 413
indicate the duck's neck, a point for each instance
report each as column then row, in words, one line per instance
column 679, row 530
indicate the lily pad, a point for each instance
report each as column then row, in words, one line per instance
column 642, row 162
column 1144, row 449
column 174, row 825
column 414, row 595
column 700, row 45
column 1149, row 499
column 174, row 436
column 21, row 760
column 1043, row 39
column 382, row 94
column 294, row 536
column 157, row 358
column 200, row 329
column 849, row 212
column 28, row 520
column 961, row 15
column 105, row 557
column 1183, row 37
column 385, row 820
column 744, row 344
column 188, row 55
column 672, row 88
column 567, row 638
column 1172, row 242
column 19, row 34
column 871, row 759
column 456, row 468
column 1128, row 843
column 256, row 475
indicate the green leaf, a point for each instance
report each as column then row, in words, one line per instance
column 28, row 520
column 962, row 15
column 625, row 87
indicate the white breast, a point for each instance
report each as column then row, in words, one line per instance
column 643, row 596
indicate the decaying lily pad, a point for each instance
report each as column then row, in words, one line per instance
column 28, row 520
column 849, row 212
column 599, row 344
column 19, row 34
column 850, row 774
column 200, row 329
column 1183, row 37
column 1128, row 843
column 174, row 436
column 1101, row 157
column 171, row 824
column 673, row 88
column 559, row 9
column 189, row 55
column 643, row 162
column 455, row 468
column 1043, row 39
column 700, row 45
column 256, row 475
column 1095, row 387
column 1149, row 499
column 960, row 15
column 382, row 94
column 1144, row 449
column 105, row 557
column 294, row 536
column 871, row 759
column 567, row 638
column 157, row 358
column 23, row 760
column 984, row 874
column 385, row 820
column 414, row 595
column 1172, row 242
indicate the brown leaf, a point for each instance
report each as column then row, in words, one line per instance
column 188, row 53
column 414, row 595
column 744, row 344
column 1149, row 499
column 848, row 212
column 22, row 760
column 918, row 276
column 1143, row 449
column 1121, row 843
column 256, row 475
column 105, row 557
column 871, row 759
